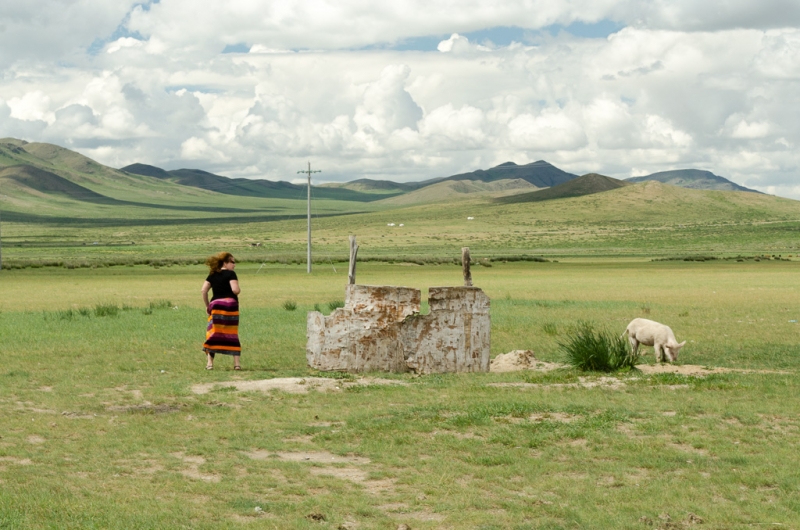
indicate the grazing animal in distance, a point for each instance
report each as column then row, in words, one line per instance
column 659, row 336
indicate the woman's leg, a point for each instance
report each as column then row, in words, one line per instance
column 236, row 365
column 209, row 361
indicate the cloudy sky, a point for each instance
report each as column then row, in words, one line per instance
column 413, row 89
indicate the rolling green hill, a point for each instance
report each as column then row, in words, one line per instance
column 693, row 179
column 47, row 184
column 197, row 178
column 449, row 190
column 372, row 186
column 540, row 174
column 583, row 185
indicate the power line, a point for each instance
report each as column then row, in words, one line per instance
column 309, row 172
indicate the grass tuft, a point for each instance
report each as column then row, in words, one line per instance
column 333, row 305
column 106, row 310
column 550, row 329
column 290, row 305
column 598, row 351
column 160, row 304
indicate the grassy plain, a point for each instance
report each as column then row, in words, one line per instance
column 646, row 220
column 101, row 428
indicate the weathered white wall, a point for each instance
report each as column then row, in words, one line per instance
column 380, row 329
column 454, row 337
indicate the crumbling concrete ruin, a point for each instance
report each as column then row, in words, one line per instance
column 381, row 329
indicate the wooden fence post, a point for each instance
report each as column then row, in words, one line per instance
column 465, row 266
column 351, row 274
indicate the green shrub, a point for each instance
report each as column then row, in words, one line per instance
column 596, row 350
column 335, row 304
column 160, row 304
column 550, row 329
column 106, row 310
column 290, row 305
column 67, row 314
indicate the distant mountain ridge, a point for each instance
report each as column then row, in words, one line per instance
column 198, row 178
column 540, row 173
column 588, row 184
column 695, row 179
column 40, row 170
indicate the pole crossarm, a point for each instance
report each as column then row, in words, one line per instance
column 309, row 172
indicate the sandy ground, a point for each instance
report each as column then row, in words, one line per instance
column 517, row 360
column 513, row 361
column 294, row 385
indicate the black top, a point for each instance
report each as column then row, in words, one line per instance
column 221, row 284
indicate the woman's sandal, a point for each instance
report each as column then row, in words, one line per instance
column 209, row 367
column 237, row 367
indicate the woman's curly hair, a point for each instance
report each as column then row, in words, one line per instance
column 216, row 261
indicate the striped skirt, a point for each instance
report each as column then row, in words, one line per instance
column 222, row 333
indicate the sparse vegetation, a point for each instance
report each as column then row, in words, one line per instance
column 289, row 305
column 550, row 329
column 98, row 404
column 106, row 310
column 333, row 305
column 589, row 349
column 125, row 416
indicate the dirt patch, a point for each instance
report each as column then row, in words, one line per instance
column 193, row 468
column 519, row 360
column 329, row 464
column 35, row 439
column 145, row 408
column 28, row 406
column 583, row 382
column 313, row 457
column 697, row 370
column 455, row 434
column 294, row 385
column 352, row 474
column 418, row 516
column 17, row 461
column 78, row 415
column 302, row 439
column 686, row 448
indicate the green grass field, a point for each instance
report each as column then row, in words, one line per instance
column 102, row 428
column 105, row 426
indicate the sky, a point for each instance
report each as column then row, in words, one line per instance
column 410, row 90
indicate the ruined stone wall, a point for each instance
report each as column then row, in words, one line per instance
column 364, row 335
column 380, row 329
column 454, row 337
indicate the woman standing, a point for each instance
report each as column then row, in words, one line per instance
column 222, row 333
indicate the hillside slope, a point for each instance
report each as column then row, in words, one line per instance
column 695, row 179
column 584, row 185
column 540, row 174
column 243, row 187
column 450, row 190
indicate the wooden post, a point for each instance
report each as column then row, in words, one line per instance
column 351, row 275
column 465, row 266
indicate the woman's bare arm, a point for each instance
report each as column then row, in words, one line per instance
column 204, row 291
column 235, row 287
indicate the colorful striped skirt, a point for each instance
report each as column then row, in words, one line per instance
column 222, row 333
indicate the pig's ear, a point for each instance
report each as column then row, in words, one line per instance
column 682, row 344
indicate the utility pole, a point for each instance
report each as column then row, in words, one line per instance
column 309, row 172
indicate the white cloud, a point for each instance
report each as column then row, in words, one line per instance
column 460, row 44
column 462, row 128
column 31, row 106
column 124, row 42
column 685, row 84
column 551, row 131
column 386, row 104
